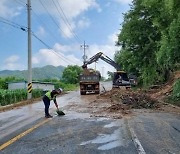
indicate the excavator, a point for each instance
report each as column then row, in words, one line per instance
column 120, row 78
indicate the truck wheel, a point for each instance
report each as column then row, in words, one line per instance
column 83, row 93
column 97, row 92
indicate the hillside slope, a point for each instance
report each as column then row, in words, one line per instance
column 46, row 72
column 165, row 90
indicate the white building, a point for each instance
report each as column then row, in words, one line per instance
column 35, row 85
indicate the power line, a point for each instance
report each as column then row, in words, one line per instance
column 20, row 2
column 15, row 25
column 58, row 54
column 45, row 25
column 49, row 31
column 53, row 18
column 66, row 20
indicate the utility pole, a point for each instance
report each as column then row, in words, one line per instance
column 84, row 46
column 29, row 95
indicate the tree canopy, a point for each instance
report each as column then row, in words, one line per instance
column 71, row 74
column 150, row 40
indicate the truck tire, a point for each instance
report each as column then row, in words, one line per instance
column 97, row 92
column 83, row 93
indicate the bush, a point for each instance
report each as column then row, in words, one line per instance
column 37, row 93
column 175, row 96
column 65, row 86
column 176, row 90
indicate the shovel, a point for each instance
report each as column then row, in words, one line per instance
column 59, row 112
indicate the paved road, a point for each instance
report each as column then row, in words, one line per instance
column 25, row 130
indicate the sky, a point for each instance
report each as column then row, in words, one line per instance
column 59, row 28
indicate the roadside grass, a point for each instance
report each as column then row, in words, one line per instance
column 172, row 100
column 69, row 87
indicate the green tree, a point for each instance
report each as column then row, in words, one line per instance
column 71, row 74
column 110, row 75
column 150, row 39
column 138, row 39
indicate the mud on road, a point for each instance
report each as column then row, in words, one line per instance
column 115, row 103
column 118, row 103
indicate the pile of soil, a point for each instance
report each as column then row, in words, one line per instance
column 118, row 103
column 128, row 99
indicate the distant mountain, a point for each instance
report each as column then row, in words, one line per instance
column 46, row 72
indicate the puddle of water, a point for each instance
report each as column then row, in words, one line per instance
column 110, row 145
column 118, row 123
column 102, row 119
column 109, row 141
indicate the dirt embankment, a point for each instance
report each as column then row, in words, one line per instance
column 162, row 91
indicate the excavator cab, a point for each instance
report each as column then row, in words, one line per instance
column 121, row 79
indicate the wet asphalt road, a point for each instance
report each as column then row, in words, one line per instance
column 145, row 132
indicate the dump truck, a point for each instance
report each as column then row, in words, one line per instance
column 89, row 81
column 120, row 77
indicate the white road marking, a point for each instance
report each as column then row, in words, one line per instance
column 136, row 141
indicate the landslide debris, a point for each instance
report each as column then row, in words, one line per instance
column 131, row 99
column 117, row 103
column 161, row 92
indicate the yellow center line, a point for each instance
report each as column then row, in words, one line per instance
column 22, row 134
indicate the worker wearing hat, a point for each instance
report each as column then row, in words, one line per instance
column 50, row 95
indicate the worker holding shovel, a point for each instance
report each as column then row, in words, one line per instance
column 50, row 95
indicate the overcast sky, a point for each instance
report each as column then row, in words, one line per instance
column 62, row 25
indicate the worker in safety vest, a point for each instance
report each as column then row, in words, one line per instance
column 50, row 95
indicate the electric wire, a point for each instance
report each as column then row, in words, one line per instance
column 53, row 19
column 60, row 55
column 65, row 20
column 52, row 34
column 55, row 52
column 11, row 22
column 20, row 2
column 15, row 26
column 45, row 25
